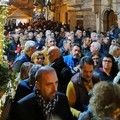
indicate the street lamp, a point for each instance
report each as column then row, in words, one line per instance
column 3, row 12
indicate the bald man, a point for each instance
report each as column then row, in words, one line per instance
column 63, row 71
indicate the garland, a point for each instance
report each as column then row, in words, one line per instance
column 3, row 17
column 7, row 84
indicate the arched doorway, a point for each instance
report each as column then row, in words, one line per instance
column 110, row 18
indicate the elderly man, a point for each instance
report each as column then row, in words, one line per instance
column 80, row 85
column 45, row 103
column 94, row 48
column 63, row 71
column 29, row 49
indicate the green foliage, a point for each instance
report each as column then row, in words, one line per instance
column 6, row 42
column 6, row 76
column 4, row 73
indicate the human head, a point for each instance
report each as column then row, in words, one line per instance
column 30, row 47
column 86, row 68
column 96, row 58
column 47, row 33
column 105, row 100
column 47, row 82
column 76, row 51
column 24, row 70
column 84, row 33
column 29, row 28
column 50, row 41
column 38, row 37
column 114, row 50
column 16, row 37
column 93, row 36
column 53, row 53
column 30, row 35
column 100, row 38
column 107, row 61
column 86, row 41
column 37, row 57
column 95, row 47
column 32, row 73
column 78, row 33
column 67, row 44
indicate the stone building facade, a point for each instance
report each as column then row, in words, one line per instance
column 98, row 15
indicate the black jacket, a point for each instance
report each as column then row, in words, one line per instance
column 28, row 109
column 63, row 72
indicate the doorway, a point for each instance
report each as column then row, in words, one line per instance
column 110, row 18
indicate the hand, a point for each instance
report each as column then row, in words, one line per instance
column 77, row 68
column 84, row 116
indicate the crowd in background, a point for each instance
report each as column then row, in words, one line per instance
column 81, row 59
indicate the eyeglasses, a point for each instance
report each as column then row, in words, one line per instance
column 109, row 61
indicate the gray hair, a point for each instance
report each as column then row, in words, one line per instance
column 47, row 32
column 16, row 36
column 96, row 45
column 49, row 38
column 93, row 33
column 113, row 49
column 30, row 34
column 28, row 45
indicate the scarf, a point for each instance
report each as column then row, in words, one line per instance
column 47, row 107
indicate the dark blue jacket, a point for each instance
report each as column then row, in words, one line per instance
column 23, row 89
column 28, row 109
column 19, row 61
column 71, row 62
column 11, row 50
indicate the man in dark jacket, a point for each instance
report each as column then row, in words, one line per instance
column 14, row 48
column 44, row 103
column 63, row 71
column 29, row 49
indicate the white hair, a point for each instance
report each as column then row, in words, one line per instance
column 93, row 34
column 47, row 33
column 96, row 45
column 16, row 36
column 30, row 34
column 28, row 45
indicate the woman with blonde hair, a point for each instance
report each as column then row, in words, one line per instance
column 37, row 58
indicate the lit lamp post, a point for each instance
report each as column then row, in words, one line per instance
column 3, row 15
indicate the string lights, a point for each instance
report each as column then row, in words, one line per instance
column 3, row 17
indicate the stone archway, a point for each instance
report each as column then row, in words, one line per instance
column 109, row 19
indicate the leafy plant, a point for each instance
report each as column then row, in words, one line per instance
column 6, row 76
column 6, row 42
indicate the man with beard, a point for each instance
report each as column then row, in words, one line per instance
column 45, row 103
column 72, row 60
column 79, row 87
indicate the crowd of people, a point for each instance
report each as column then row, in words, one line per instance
column 64, row 74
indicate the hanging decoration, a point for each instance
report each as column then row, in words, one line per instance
column 3, row 17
